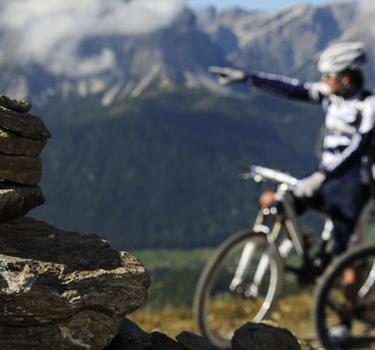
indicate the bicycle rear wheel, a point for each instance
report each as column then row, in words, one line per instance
column 330, row 309
column 240, row 283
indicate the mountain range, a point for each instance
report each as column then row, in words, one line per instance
column 180, row 53
column 146, row 151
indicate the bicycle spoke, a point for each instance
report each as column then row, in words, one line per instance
column 224, row 301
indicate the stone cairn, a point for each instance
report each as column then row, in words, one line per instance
column 58, row 290
column 22, row 139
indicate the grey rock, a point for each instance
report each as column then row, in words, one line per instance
column 13, row 144
column 191, row 341
column 261, row 336
column 25, row 125
column 16, row 201
column 130, row 337
column 21, row 170
column 162, row 342
column 15, row 104
column 61, row 290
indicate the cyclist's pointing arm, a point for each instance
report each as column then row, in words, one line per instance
column 273, row 83
column 288, row 87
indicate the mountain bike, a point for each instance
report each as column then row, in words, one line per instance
column 329, row 306
column 246, row 273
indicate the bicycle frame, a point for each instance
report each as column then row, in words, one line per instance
column 284, row 219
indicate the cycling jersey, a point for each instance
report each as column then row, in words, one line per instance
column 349, row 123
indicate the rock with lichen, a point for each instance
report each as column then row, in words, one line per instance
column 63, row 291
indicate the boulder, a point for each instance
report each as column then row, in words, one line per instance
column 130, row 337
column 21, row 170
column 16, row 201
column 259, row 336
column 161, row 341
column 191, row 341
column 61, row 290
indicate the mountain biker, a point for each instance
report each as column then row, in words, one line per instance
column 340, row 185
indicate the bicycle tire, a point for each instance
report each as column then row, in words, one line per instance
column 210, row 274
column 361, row 257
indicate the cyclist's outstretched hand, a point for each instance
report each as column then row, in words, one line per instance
column 308, row 186
column 228, row 75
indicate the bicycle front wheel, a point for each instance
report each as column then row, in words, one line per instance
column 240, row 283
column 331, row 302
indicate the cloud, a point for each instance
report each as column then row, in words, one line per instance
column 367, row 13
column 366, row 25
column 49, row 32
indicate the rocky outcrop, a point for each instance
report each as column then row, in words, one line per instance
column 61, row 290
column 22, row 139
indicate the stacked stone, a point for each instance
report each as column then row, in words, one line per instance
column 22, row 139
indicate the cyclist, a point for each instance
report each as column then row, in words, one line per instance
column 340, row 186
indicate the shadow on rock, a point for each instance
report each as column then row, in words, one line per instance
column 61, row 290
column 27, row 238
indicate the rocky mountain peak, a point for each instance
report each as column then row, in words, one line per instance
column 119, row 66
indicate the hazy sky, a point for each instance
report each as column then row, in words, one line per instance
column 259, row 5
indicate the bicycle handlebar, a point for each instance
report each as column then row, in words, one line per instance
column 260, row 173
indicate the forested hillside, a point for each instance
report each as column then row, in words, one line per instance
column 161, row 170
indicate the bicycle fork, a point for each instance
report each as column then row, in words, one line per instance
column 245, row 261
column 243, row 265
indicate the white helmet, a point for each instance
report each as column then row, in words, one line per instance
column 343, row 56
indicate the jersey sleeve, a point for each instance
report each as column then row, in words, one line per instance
column 289, row 87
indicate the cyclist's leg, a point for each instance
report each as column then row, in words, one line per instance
column 267, row 199
column 344, row 200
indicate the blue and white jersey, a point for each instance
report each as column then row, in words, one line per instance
column 349, row 123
